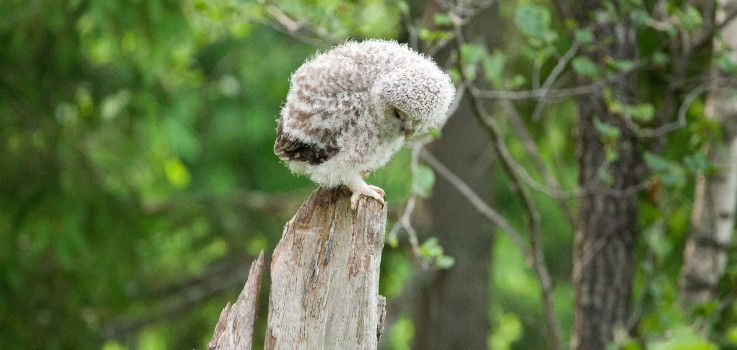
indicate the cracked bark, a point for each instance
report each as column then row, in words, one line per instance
column 234, row 329
column 325, row 276
column 324, row 281
column 602, row 273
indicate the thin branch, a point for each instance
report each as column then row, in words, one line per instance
column 680, row 121
column 534, row 153
column 475, row 200
column 704, row 37
column 539, row 93
column 297, row 29
column 405, row 221
column 553, row 76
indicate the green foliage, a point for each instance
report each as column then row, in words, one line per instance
column 433, row 253
column 422, row 181
column 401, row 334
column 585, row 66
column 534, row 22
column 506, row 332
column 670, row 173
column 683, row 339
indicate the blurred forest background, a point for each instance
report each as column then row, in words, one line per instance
column 582, row 193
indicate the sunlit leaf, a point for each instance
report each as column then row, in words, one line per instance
column 585, row 66
column 423, row 181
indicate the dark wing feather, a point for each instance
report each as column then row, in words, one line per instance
column 290, row 148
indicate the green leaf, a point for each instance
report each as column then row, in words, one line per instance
column 726, row 64
column 471, row 55
column 507, row 331
column 620, row 64
column 403, row 6
column 431, row 248
column 516, row 81
column 433, row 35
column 697, row 162
column 612, row 154
column 177, row 173
column 442, row 19
column 423, row 181
column 584, row 66
column 639, row 16
column 584, row 36
column 445, row 262
column 392, row 240
column 642, row 112
column 606, row 177
column 534, row 22
column 671, row 174
column 660, row 58
column 732, row 335
column 683, row 338
column 690, row 19
column 494, row 68
column 434, row 133
column 608, row 131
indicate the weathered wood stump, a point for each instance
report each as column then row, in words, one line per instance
column 235, row 326
column 325, row 276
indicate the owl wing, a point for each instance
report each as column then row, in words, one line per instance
column 291, row 148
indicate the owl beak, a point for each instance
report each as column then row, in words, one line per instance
column 408, row 134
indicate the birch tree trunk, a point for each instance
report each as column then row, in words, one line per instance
column 325, row 276
column 713, row 213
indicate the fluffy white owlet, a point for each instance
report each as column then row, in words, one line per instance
column 350, row 109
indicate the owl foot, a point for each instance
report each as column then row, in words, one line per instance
column 360, row 187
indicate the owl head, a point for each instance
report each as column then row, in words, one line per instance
column 414, row 99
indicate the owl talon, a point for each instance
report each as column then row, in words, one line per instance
column 370, row 194
column 378, row 190
column 361, row 188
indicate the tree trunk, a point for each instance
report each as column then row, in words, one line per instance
column 452, row 311
column 607, row 219
column 705, row 256
column 325, row 276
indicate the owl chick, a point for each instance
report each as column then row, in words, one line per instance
column 350, row 109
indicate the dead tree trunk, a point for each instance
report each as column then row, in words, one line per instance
column 324, row 279
column 713, row 216
column 235, row 326
column 325, row 276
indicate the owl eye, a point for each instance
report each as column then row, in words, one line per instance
column 398, row 114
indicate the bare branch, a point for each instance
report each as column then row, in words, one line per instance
column 475, row 200
column 405, row 221
column 553, row 76
column 539, row 93
column 534, row 153
column 705, row 36
column 297, row 29
column 680, row 121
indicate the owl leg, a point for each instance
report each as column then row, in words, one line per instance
column 359, row 187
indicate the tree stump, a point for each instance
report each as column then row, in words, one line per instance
column 235, row 326
column 325, row 276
